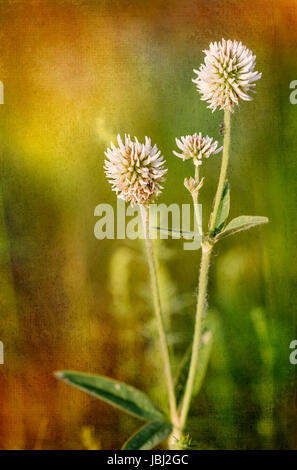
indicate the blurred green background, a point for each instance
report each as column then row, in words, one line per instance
column 75, row 74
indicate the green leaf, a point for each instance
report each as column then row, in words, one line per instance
column 114, row 392
column 244, row 222
column 182, row 375
column 148, row 436
column 176, row 233
column 207, row 342
column 223, row 211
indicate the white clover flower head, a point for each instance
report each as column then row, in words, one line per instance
column 196, row 147
column 135, row 170
column 227, row 74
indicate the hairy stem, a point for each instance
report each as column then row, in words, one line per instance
column 203, row 277
column 223, row 172
column 195, row 200
column 159, row 315
column 205, row 259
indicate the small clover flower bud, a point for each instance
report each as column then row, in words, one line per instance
column 192, row 186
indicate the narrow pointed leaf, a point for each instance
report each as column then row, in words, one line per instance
column 113, row 392
column 149, row 436
column 244, row 222
column 223, row 211
column 182, row 375
column 207, row 342
column 174, row 233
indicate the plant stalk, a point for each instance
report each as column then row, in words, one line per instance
column 203, row 278
column 159, row 315
column 195, row 198
column 223, row 172
column 205, row 259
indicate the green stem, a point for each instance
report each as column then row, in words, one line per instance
column 195, row 200
column 159, row 315
column 203, row 277
column 205, row 259
column 223, row 172
column 197, row 176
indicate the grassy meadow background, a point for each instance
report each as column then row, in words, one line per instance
column 75, row 74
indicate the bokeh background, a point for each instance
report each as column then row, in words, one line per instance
column 75, row 74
